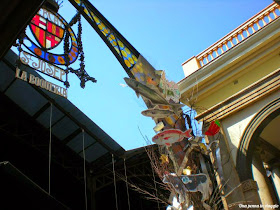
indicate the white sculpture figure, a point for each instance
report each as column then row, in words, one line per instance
column 190, row 183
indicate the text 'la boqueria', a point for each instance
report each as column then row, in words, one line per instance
column 30, row 78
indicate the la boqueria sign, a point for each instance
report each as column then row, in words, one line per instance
column 45, row 68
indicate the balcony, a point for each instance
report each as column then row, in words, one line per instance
column 232, row 39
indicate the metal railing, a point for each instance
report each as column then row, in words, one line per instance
column 244, row 31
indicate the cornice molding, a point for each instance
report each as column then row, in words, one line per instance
column 243, row 98
column 260, row 44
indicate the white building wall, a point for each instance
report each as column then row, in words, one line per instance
column 234, row 125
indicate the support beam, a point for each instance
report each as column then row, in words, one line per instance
column 15, row 16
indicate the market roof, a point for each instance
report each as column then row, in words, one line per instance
column 68, row 122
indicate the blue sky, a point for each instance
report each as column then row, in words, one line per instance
column 166, row 33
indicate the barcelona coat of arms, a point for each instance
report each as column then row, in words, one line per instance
column 47, row 33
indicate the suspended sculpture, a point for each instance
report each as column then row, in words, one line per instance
column 164, row 159
column 170, row 136
column 157, row 112
column 169, row 89
column 190, row 183
column 150, row 93
column 164, row 101
column 162, row 98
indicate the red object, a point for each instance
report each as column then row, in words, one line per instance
column 48, row 34
column 214, row 128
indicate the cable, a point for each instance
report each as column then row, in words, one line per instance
column 85, row 174
column 50, row 149
column 155, row 185
column 115, row 181
column 126, row 184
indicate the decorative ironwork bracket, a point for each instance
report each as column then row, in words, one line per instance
column 83, row 76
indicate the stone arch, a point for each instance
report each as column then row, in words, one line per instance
column 252, row 131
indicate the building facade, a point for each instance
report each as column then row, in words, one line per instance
column 236, row 80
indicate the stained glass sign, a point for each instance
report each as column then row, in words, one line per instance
column 42, row 66
column 48, row 34
column 49, row 30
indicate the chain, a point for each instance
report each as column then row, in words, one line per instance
column 66, row 53
column 81, row 72
column 80, row 45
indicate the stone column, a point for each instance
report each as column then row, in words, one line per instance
column 261, row 178
column 250, row 191
column 275, row 174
